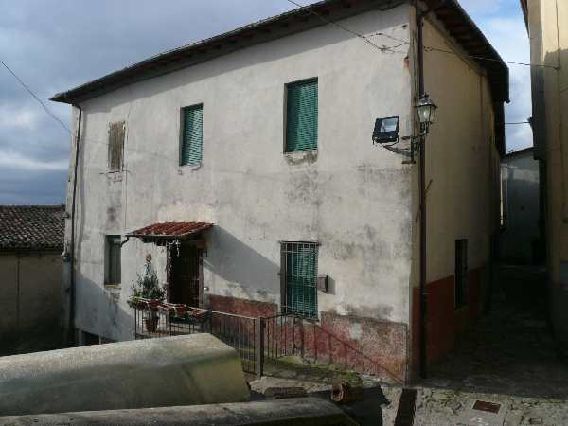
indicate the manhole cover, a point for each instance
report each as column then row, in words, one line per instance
column 489, row 407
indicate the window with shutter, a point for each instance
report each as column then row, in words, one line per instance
column 191, row 152
column 302, row 116
column 112, row 259
column 116, row 134
column 299, row 277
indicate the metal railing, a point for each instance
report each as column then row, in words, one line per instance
column 153, row 319
column 256, row 339
column 289, row 334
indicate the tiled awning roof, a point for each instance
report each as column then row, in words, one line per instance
column 170, row 230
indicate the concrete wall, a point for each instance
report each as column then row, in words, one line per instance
column 462, row 180
column 519, row 242
column 549, row 46
column 355, row 199
column 181, row 370
column 30, row 301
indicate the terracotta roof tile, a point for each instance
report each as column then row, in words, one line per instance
column 171, row 230
column 31, row 227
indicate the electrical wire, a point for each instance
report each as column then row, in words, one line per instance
column 344, row 28
column 362, row 37
column 64, row 126
column 517, row 122
column 406, row 42
column 37, row 98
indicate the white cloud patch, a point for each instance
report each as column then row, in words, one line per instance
column 10, row 160
column 18, row 118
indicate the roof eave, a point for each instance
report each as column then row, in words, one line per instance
column 285, row 24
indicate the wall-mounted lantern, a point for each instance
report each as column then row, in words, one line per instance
column 387, row 129
column 426, row 110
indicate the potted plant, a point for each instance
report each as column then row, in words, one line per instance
column 148, row 293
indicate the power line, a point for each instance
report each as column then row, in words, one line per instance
column 483, row 58
column 518, row 122
column 63, row 125
column 406, row 42
column 37, row 98
column 344, row 28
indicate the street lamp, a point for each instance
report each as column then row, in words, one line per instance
column 386, row 129
column 426, row 110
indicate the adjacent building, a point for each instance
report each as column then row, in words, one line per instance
column 548, row 34
column 244, row 166
column 31, row 242
column 521, row 240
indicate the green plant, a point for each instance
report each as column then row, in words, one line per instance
column 147, row 286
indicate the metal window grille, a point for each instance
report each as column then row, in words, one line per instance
column 116, row 135
column 192, row 138
column 299, row 263
column 461, row 269
column 112, row 269
column 302, row 116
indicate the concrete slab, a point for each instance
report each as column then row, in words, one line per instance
column 304, row 411
column 182, row 370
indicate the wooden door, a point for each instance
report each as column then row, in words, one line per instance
column 185, row 283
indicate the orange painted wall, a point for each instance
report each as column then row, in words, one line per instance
column 444, row 321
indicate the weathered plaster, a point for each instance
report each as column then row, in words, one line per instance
column 352, row 197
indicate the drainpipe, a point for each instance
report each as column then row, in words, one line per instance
column 72, row 285
column 422, row 205
column 422, row 191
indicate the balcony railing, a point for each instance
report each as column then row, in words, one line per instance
column 255, row 339
column 158, row 319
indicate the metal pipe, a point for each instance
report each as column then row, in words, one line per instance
column 72, row 285
column 422, row 207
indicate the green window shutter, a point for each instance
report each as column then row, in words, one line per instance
column 112, row 259
column 192, row 140
column 301, row 278
column 302, row 116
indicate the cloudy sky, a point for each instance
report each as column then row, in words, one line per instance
column 54, row 45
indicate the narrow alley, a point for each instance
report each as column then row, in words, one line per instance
column 510, row 350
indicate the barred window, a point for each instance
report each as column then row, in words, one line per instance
column 299, row 270
column 116, row 134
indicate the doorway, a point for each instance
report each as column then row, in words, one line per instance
column 185, row 275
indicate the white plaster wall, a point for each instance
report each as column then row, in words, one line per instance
column 355, row 199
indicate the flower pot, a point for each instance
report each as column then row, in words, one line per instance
column 151, row 323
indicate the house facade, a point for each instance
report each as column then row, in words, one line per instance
column 31, row 297
column 244, row 167
column 548, row 38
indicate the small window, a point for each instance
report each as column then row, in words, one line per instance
column 302, row 116
column 112, row 260
column 461, row 267
column 191, row 152
column 299, row 264
column 116, row 134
